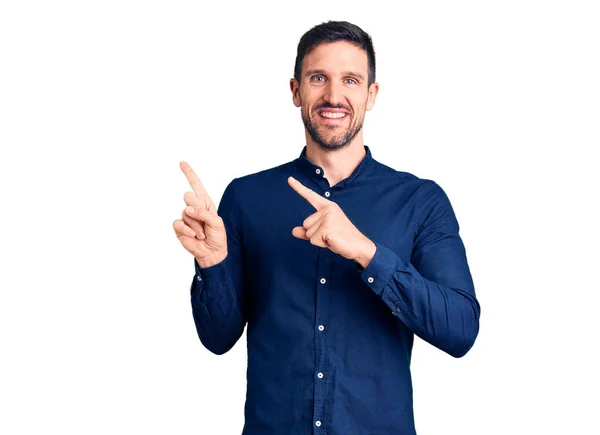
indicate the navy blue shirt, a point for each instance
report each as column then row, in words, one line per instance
column 329, row 343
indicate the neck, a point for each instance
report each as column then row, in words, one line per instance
column 338, row 164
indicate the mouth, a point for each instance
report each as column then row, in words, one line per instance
column 332, row 116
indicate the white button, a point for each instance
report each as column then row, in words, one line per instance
column 370, row 279
column 320, row 375
column 393, row 313
column 327, row 194
column 321, row 327
column 199, row 279
column 318, row 171
column 317, row 423
column 323, row 280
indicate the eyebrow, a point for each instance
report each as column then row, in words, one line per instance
column 345, row 73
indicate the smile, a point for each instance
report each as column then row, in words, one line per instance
column 332, row 115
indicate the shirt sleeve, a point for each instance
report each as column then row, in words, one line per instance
column 433, row 294
column 218, row 291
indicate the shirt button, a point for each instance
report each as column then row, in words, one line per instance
column 370, row 279
column 327, row 194
column 199, row 279
column 317, row 423
column 323, row 280
column 320, row 375
column 393, row 313
column 318, row 171
column 321, row 327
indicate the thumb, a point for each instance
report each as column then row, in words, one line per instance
column 299, row 232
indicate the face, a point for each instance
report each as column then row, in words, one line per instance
column 333, row 93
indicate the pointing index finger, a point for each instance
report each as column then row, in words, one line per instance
column 316, row 200
column 193, row 179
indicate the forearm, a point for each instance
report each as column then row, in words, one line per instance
column 217, row 314
column 445, row 315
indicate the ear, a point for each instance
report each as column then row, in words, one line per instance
column 295, row 88
column 373, row 90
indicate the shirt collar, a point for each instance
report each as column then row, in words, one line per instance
column 315, row 171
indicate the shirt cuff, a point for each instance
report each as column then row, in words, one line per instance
column 381, row 268
column 215, row 273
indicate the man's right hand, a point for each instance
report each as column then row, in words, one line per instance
column 201, row 231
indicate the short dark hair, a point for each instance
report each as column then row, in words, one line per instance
column 332, row 31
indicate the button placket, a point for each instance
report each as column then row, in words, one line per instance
column 321, row 327
column 322, row 290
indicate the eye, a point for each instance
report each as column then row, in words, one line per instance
column 351, row 81
column 317, row 78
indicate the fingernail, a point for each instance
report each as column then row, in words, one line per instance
column 189, row 210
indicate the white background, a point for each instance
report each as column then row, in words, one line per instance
column 499, row 102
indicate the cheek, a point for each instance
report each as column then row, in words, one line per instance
column 360, row 105
column 308, row 109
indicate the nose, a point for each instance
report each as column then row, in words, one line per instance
column 333, row 93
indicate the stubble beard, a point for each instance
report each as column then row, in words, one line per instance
column 337, row 142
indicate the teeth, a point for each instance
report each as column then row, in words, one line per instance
column 332, row 114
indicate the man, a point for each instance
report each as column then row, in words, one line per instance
column 334, row 260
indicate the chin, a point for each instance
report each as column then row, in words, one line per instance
column 333, row 145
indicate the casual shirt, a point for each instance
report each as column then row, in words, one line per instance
column 329, row 342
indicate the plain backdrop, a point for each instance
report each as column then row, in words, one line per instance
column 498, row 102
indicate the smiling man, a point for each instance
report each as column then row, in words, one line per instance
column 334, row 261
column 337, row 83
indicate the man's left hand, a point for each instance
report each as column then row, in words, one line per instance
column 330, row 228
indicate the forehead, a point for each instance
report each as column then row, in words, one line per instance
column 337, row 56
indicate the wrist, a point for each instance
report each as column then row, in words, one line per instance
column 366, row 254
column 211, row 260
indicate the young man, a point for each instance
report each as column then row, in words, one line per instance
column 333, row 260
